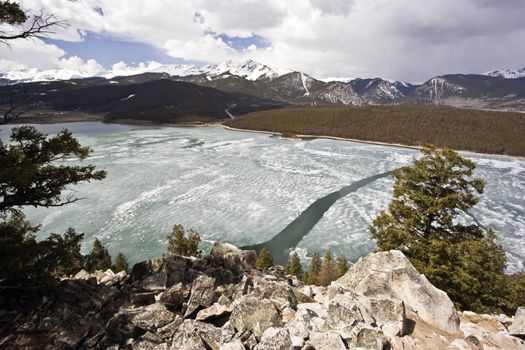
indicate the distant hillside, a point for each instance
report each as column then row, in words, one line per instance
column 142, row 98
column 471, row 91
column 461, row 129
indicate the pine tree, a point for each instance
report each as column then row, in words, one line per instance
column 177, row 241
column 121, row 263
column 264, row 259
column 464, row 260
column 314, row 269
column 178, row 244
column 293, row 267
column 328, row 272
column 99, row 258
column 192, row 243
column 60, row 255
column 341, row 265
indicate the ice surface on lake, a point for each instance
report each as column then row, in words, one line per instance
column 246, row 187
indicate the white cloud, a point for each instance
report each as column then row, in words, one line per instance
column 205, row 48
column 75, row 63
column 403, row 39
column 121, row 68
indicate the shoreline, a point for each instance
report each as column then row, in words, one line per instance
column 302, row 137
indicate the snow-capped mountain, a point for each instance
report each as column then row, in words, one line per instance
column 249, row 70
column 253, row 79
column 23, row 74
column 507, row 73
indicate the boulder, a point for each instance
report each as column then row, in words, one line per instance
column 388, row 314
column 233, row 345
column 211, row 335
column 152, row 317
column 517, row 328
column 275, row 339
column 202, row 294
column 82, row 275
column 366, row 337
column 146, row 344
column 187, row 341
column 157, row 282
column 390, row 275
column 317, row 309
column 167, row 331
column 402, row 343
column 234, row 258
column 216, row 311
column 280, row 292
column 254, row 314
column 302, row 324
column 326, row 340
column 146, row 268
column 244, row 287
column 343, row 312
column 175, row 296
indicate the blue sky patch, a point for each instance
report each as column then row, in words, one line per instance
column 107, row 51
column 239, row 43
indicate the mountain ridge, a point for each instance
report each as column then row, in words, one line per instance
column 479, row 91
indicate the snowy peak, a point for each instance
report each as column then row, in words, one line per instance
column 249, row 70
column 379, row 90
column 507, row 73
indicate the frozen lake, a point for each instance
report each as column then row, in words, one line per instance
column 245, row 187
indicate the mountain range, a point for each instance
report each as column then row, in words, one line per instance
column 187, row 92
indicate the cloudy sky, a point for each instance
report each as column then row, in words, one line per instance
column 398, row 39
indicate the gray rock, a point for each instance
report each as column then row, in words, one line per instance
column 144, row 298
column 302, row 324
column 343, row 312
column 234, row 258
column 389, row 315
column 275, row 339
column 156, row 282
column 244, row 287
column 326, row 340
column 187, row 341
column 82, row 275
column 175, row 296
column 233, row 345
column 517, row 328
column 145, row 344
column 402, row 343
column 202, row 294
column 215, row 311
column 280, row 292
column 254, row 314
column 167, row 331
column 318, row 309
column 389, row 274
column 152, row 317
column 211, row 335
column 366, row 337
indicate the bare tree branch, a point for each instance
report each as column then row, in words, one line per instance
column 38, row 26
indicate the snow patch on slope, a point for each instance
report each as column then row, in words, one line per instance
column 507, row 73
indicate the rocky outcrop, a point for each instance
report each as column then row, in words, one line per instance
column 221, row 302
column 391, row 276
column 517, row 326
